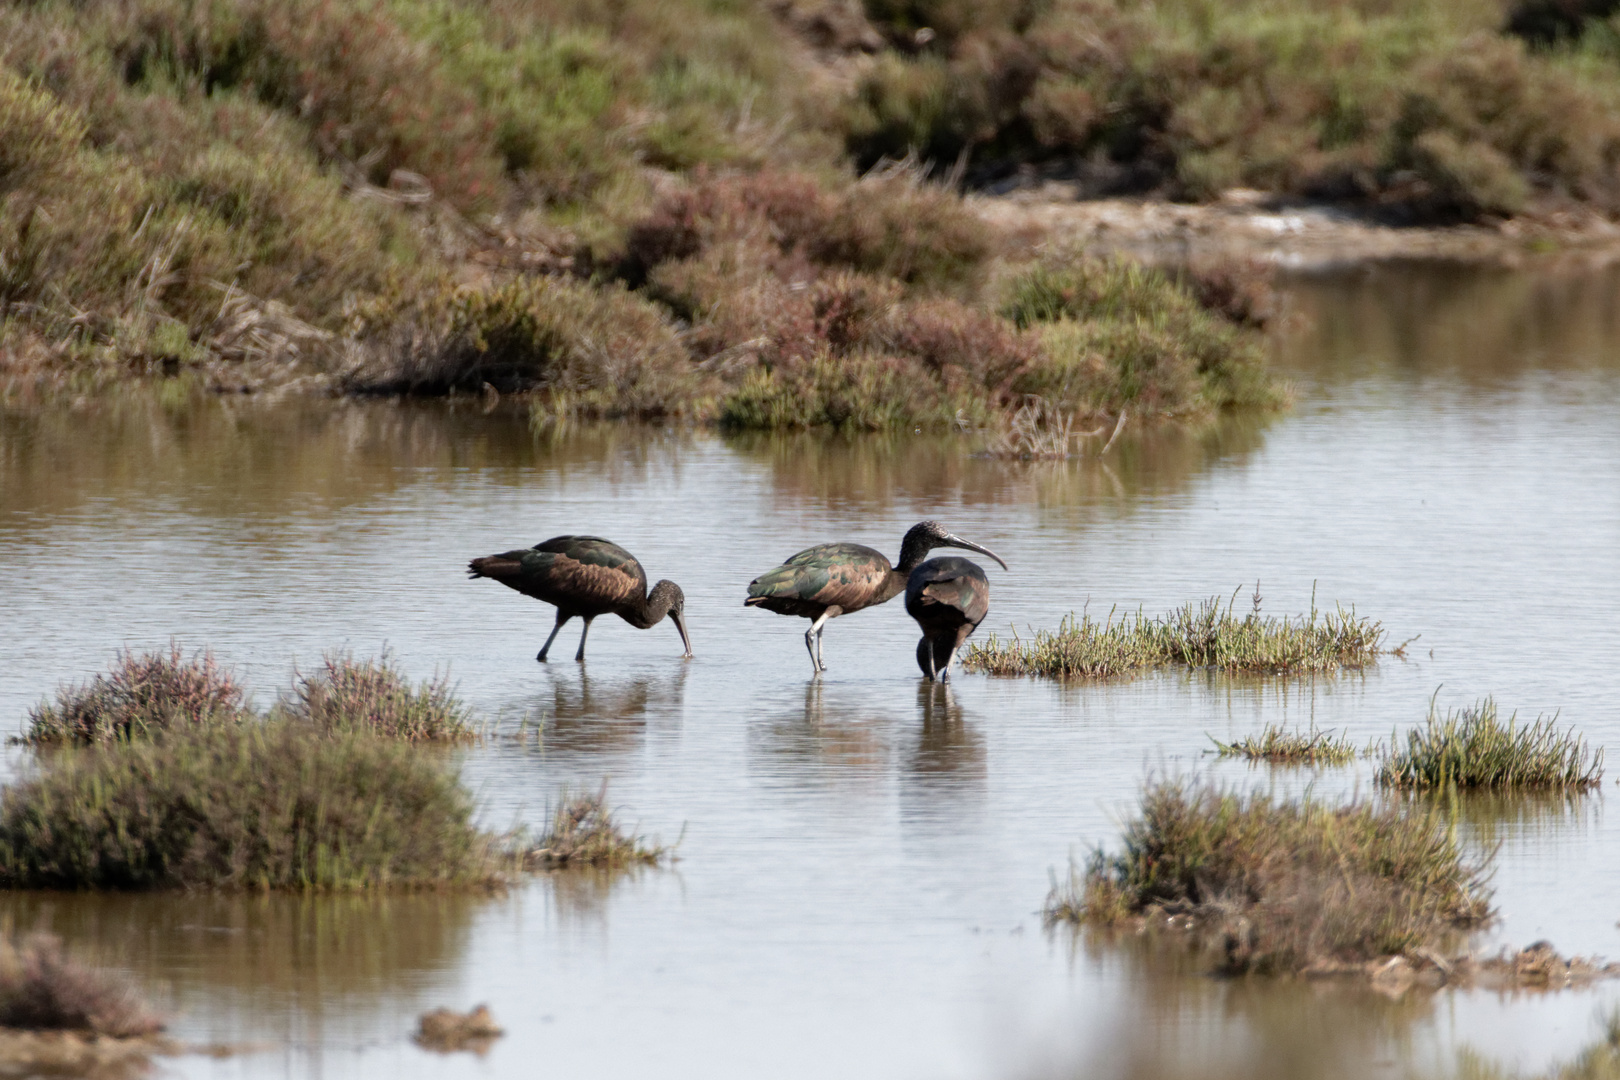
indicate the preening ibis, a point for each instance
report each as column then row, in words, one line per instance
column 829, row 580
column 586, row 576
column 948, row 597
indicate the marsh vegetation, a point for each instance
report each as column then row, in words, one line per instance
column 263, row 805
column 1274, row 885
column 1474, row 748
column 372, row 696
column 1600, row 1060
column 582, row 832
column 1278, row 745
column 1206, row 634
column 143, row 695
column 647, row 213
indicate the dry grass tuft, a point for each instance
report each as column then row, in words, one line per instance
column 1280, row 746
column 1208, row 634
column 1036, row 432
column 347, row 695
column 583, row 833
column 1473, row 748
column 1278, row 886
column 144, row 695
column 43, row 989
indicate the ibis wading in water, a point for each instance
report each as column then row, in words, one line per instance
column 948, row 597
column 586, row 576
column 829, row 580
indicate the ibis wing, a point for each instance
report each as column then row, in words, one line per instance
column 848, row 575
column 594, row 551
column 582, row 582
column 952, row 583
column 963, row 594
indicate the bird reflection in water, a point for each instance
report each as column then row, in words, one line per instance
column 595, row 715
column 843, row 737
column 948, row 746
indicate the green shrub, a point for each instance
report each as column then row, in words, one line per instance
column 1473, row 748
column 347, row 695
column 1115, row 334
column 1278, row 886
column 256, row 806
column 862, row 392
column 144, row 695
column 1425, row 108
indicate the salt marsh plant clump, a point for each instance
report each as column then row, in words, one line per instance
column 44, row 989
column 254, row 806
column 144, row 694
column 1278, row 745
column 371, row 696
column 1279, row 886
column 1426, row 111
column 1116, row 334
column 582, row 833
column 149, row 695
column 1474, row 748
column 1208, row 634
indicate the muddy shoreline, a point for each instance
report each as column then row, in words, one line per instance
column 1248, row 224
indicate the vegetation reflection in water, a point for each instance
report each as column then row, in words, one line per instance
column 1316, row 1030
column 339, row 954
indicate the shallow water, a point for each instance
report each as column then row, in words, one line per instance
column 862, row 856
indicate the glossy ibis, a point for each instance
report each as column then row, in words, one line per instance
column 829, row 580
column 948, row 597
column 586, row 576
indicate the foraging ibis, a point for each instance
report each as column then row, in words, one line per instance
column 586, row 576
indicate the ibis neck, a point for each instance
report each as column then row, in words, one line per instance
column 912, row 553
column 647, row 613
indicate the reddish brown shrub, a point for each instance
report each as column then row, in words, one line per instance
column 852, row 309
column 891, row 225
column 963, row 343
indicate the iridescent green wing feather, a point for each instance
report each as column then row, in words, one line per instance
column 848, row 575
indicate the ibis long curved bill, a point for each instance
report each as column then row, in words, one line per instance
column 952, row 540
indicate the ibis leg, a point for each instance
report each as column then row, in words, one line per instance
column 561, row 618
column 580, row 656
column 812, row 636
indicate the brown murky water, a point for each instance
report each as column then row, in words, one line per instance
column 863, row 855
